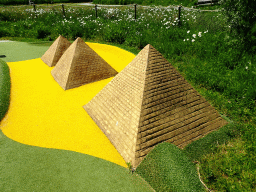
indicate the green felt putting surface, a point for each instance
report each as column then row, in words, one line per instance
column 29, row 168
column 20, row 51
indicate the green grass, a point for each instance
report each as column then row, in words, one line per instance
column 167, row 168
column 210, row 142
column 230, row 167
column 29, row 168
column 5, row 86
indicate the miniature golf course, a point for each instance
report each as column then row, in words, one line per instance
column 47, row 140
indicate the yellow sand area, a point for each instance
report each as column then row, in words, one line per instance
column 42, row 114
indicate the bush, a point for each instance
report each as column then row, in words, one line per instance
column 241, row 16
column 5, row 86
column 42, row 33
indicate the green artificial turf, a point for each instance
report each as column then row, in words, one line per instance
column 167, row 168
column 5, row 86
column 29, row 168
column 20, row 51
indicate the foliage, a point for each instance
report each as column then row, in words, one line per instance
column 166, row 168
column 5, row 86
column 242, row 20
column 230, row 168
column 210, row 142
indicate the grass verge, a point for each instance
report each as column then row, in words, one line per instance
column 5, row 86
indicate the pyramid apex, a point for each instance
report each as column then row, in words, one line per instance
column 81, row 65
column 79, row 39
column 56, row 50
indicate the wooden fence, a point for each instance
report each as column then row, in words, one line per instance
column 135, row 6
column 207, row 2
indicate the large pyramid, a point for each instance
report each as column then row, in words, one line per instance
column 56, row 50
column 149, row 102
column 80, row 65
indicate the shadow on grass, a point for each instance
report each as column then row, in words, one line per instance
column 210, row 142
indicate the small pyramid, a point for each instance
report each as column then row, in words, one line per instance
column 80, row 65
column 56, row 50
column 149, row 102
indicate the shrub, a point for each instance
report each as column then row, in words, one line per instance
column 5, row 86
column 242, row 20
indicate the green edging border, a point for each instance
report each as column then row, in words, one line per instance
column 5, row 88
column 167, row 168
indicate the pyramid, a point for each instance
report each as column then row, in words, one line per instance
column 56, row 50
column 80, row 65
column 149, row 102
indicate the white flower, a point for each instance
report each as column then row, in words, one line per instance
column 200, row 34
column 246, row 67
column 188, row 31
column 206, row 31
column 184, row 40
column 193, row 40
column 194, row 35
column 187, row 39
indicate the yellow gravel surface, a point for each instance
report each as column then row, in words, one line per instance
column 42, row 114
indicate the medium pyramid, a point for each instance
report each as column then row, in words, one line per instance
column 80, row 65
column 149, row 102
column 56, row 50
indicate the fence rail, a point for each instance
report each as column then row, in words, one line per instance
column 134, row 6
column 207, row 2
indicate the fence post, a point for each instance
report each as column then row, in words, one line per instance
column 63, row 10
column 135, row 15
column 96, row 11
column 35, row 9
column 179, row 21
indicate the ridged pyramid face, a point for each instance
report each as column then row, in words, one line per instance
column 80, row 65
column 149, row 102
column 56, row 50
